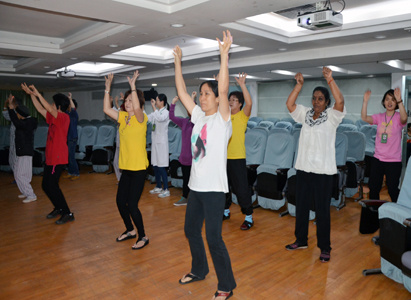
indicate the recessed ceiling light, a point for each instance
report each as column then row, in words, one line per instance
column 73, row 58
column 283, row 72
column 282, row 49
column 177, row 25
column 113, row 46
column 215, row 58
column 370, row 76
column 154, row 84
column 46, row 67
column 379, row 37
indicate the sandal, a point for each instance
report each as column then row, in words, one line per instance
column 223, row 294
column 128, row 236
column 192, row 277
column 144, row 239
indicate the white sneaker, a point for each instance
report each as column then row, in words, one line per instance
column 164, row 193
column 28, row 200
column 156, row 190
column 22, row 196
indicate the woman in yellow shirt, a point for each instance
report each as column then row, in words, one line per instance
column 133, row 158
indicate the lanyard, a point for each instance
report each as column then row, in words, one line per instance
column 385, row 115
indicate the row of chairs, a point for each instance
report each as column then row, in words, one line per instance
column 270, row 158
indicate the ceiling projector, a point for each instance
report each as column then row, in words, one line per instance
column 66, row 74
column 320, row 20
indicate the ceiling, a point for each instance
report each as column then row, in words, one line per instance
column 41, row 36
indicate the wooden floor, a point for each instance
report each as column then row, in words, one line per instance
column 82, row 260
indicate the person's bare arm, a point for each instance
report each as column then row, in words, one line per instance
column 108, row 110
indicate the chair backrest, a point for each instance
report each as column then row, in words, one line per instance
column 341, row 148
column 346, row 127
column 255, row 145
column 174, row 140
column 105, row 136
column 370, row 132
column 79, row 128
column 404, row 198
column 284, row 124
column 347, row 121
column 360, row 123
column 289, row 120
column 4, row 136
column 83, row 122
column 267, row 124
column 280, row 149
column 274, row 120
column 251, row 124
column 356, row 145
column 88, row 137
column 40, row 137
column 256, row 119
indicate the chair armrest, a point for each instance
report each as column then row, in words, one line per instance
column 407, row 222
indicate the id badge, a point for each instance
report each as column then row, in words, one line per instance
column 384, row 138
column 154, row 127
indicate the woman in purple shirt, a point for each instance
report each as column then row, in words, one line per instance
column 185, row 155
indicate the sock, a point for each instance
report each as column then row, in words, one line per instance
column 226, row 212
column 249, row 218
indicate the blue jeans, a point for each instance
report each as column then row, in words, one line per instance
column 161, row 175
column 72, row 163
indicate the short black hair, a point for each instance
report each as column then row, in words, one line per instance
column 325, row 92
column 239, row 95
column 62, row 101
column 213, row 84
column 389, row 93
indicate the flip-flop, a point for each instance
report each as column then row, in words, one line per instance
column 128, row 236
column 223, row 294
column 193, row 278
column 144, row 239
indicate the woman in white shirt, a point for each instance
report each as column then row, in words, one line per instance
column 159, row 144
column 316, row 163
column 208, row 179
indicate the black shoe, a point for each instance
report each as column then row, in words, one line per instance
column 54, row 213
column 226, row 217
column 65, row 218
column 246, row 225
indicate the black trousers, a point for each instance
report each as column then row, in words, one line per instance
column 392, row 172
column 129, row 191
column 317, row 188
column 208, row 208
column 238, row 183
column 186, row 177
column 50, row 185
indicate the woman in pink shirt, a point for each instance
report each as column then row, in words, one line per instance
column 387, row 157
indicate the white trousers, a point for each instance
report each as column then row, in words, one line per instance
column 23, row 174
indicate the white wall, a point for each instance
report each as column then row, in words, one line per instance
column 272, row 96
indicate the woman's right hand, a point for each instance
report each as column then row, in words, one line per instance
column 299, row 78
column 109, row 80
column 175, row 99
column 178, row 55
column 367, row 95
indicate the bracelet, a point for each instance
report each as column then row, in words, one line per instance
column 133, row 91
column 107, row 92
column 399, row 102
column 330, row 81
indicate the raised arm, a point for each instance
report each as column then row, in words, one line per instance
column 338, row 96
column 223, row 75
column 71, row 101
column 403, row 113
column 138, row 112
column 36, row 102
column 247, row 97
column 53, row 111
column 364, row 116
column 108, row 110
column 294, row 93
column 180, row 84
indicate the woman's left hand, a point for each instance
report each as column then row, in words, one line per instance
column 397, row 95
column 226, row 44
column 327, row 73
column 132, row 80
